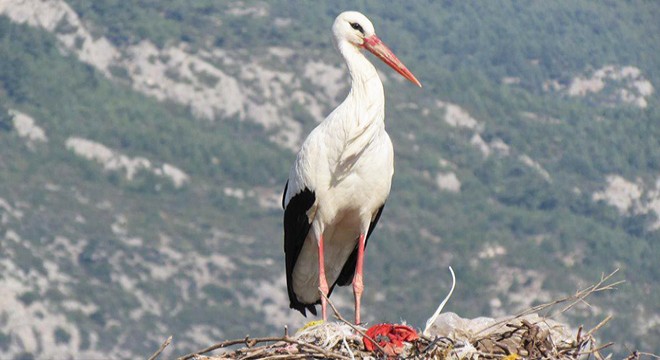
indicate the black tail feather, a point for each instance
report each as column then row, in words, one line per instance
column 295, row 304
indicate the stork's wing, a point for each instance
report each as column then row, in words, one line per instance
column 348, row 271
column 296, row 227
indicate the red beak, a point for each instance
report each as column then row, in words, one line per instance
column 379, row 49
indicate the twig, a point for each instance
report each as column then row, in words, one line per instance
column 579, row 334
column 578, row 297
column 227, row 343
column 286, row 356
column 341, row 318
column 256, row 354
column 317, row 348
column 254, row 341
column 596, row 350
column 161, row 348
column 581, row 295
column 648, row 354
column 435, row 342
column 600, row 325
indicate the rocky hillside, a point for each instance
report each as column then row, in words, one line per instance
column 144, row 148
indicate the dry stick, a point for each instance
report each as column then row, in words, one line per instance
column 286, row 356
column 256, row 353
column 579, row 334
column 161, row 348
column 433, row 342
column 260, row 340
column 579, row 296
column 592, row 289
column 648, row 354
column 341, row 318
column 600, row 325
column 596, row 350
column 224, row 344
column 580, row 342
column 317, row 348
column 588, row 337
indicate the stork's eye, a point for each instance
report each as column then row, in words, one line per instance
column 357, row 27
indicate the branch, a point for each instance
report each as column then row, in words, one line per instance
column 648, row 354
column 577, row 298
column 160, row 350
column 600, row 325
column 252, row 342
column 596, row 350
column 227, row 343
column 581, row 295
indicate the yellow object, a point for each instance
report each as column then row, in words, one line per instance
column 512, row 357
column 309, row 325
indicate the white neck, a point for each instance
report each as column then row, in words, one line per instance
column 358, row 122
column 366, row 87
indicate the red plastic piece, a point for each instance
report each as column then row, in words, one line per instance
column 390, row 337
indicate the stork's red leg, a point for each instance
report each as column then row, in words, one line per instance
column 358, row 285
column 323, row 283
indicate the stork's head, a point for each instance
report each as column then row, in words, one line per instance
column 354, row 28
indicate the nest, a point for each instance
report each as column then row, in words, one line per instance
column 519, row 338
column 526, row 335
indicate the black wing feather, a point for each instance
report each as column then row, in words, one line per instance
column 348, row 271
column 296, row 227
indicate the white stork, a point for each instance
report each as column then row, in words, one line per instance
column 341, row 178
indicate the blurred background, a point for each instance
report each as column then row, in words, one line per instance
column 144, row 146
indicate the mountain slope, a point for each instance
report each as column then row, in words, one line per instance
column 143, row 150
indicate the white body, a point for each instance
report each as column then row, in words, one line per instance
column 348, row 161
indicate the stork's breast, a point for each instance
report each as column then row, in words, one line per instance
column 362, row 191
